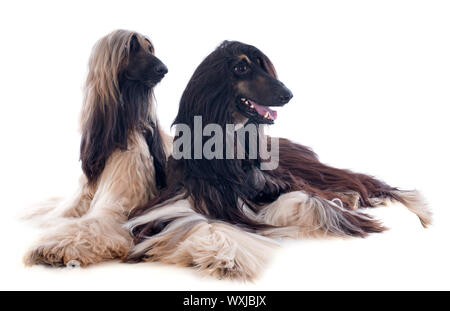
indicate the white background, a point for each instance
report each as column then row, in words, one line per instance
column 371, row 93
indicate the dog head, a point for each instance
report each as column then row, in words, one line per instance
column 236, row 83
column 140, row 63
column 255, row 85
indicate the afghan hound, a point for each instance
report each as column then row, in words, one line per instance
column 123, row 154
column 223, row 215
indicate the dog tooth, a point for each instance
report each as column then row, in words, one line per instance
column 266, row 115
column 251, row 106
column 243, row 100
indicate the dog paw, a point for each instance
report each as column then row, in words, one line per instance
column 80, row 243
column 228, row 269
column 226, row 252
column 56, row 255
column 72, row 264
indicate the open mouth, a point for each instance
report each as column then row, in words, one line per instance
column 252, row 109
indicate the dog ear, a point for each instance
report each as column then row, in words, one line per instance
column 134, row 45
column 104, row 131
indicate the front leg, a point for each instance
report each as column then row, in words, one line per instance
column 183, row 237
column 86, row 241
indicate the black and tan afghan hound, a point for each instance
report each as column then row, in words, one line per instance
column 123, row 155
column 223, row 215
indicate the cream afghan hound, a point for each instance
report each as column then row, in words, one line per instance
column 123, row 155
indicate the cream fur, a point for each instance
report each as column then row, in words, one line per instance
column 212, row 247
column 416, row 203
column 92, row 231
column 297, row 215
column 88, row 228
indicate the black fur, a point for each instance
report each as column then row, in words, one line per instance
column 220, row 187
column 217, row 185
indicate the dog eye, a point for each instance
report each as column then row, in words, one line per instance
column 241, row 68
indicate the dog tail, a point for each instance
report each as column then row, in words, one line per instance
column 415, row 202
column 374, row 192
column 354, row 190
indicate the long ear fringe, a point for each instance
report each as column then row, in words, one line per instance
column 103, row 132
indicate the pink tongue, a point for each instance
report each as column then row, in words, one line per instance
column 263, row 110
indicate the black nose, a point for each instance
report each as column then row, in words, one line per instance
column 286, row 96
column 161, row 69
